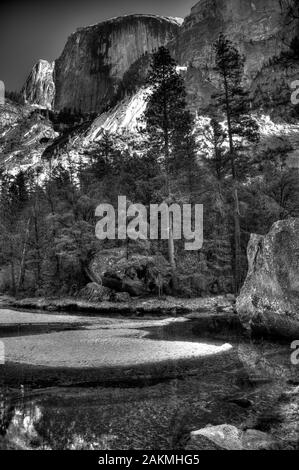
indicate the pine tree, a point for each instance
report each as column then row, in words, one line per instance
column 183, row 164
column 14, row 198
column 168, row 124
column 233, row 100
column 216, row 164
column 216, row 157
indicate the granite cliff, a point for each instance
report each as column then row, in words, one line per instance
column 95, row 62
column 95, row 59
column 40, row 87
column 261, row 30
column 102, row 63
column 102, row 68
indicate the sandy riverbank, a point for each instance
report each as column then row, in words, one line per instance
column 99, row 342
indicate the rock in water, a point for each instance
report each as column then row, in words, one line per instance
column 39, row 88
column 269, row 300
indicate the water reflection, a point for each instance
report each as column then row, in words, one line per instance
column 29, row 426
column 160, row 416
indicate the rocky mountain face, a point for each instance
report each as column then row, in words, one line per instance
column 260, row 29
column 102, row 67
column 24, row 136
column 254, row 26
column 123, row 118
column 100, row 64
column 89, row 73
column 39, row 88
column 95, row 59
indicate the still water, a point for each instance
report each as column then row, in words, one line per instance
column 181, row 380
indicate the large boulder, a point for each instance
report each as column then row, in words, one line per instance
column 138, row 273
column 269, row 300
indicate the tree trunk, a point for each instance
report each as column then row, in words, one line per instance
column 52, row 205
column 171, row 252
column 237, row 226
column 38, row 259
column 12, row 272
column 237, row 241
column 22, row 267
column 13, row 278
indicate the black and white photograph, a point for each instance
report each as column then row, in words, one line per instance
column 149, row 230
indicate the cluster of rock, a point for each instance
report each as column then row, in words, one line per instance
column 119, row 273
column 132, row 271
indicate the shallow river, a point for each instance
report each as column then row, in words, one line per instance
column 83, row 382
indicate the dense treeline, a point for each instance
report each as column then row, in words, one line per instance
column 47, row 237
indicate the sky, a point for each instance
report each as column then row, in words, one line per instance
column 38, row 29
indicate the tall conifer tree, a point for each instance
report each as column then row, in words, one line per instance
column 233, row 100
column 168, row 124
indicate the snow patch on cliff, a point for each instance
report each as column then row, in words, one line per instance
column 277, row 134
column 282, row 129
column 125, row 117
column 175, row 20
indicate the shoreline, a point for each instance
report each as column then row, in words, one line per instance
column 34, row 377
column 169, row 306
column 157, row 330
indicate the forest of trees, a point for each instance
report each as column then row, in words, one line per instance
column 47, row 237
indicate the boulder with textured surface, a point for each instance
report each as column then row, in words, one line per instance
column 137, row 272
column 269, row 300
